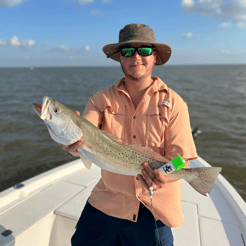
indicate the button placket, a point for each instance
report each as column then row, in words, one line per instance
column 133, row 123
column 138, row 188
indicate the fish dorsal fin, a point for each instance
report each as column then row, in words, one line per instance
column 148, row 151
column 113, row 137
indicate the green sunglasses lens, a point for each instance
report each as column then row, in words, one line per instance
column 127, row 51
column 144, row 51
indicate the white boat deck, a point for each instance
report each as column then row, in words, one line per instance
column 45, row 211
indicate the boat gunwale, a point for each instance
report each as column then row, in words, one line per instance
column 12, row 197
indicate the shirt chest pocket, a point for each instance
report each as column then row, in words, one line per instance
column 114, row 120
column 157, row 122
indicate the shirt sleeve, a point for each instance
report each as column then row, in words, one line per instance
column 178, row 136
column 93, row 114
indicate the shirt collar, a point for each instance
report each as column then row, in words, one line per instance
column 120, row 83
column 158, row 84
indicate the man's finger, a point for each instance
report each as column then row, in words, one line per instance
column 147, row 178
column 75, row 146
column 162, row 178
column 143, row 181
column 149, row 183
column 149, row 170
column 77, row 112
column 64, row 147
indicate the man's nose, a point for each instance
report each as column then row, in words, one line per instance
column 136, row 56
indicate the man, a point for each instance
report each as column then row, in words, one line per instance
column 139, row 109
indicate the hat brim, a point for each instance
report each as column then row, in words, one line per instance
column 163, row 50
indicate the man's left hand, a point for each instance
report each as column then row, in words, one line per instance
column 152, row 177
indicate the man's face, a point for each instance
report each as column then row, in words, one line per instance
column 138, row 67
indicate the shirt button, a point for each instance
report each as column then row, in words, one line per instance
column 134, row 136
column 134, row 117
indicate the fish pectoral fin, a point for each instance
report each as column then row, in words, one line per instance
column 85, row 161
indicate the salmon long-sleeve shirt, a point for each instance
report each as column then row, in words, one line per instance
column 161, row 122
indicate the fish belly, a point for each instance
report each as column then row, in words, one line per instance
column 108, row 165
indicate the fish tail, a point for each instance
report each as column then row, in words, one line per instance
column 205, row 179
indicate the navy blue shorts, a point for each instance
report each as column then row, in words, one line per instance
column 96, row 228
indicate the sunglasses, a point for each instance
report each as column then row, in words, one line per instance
column 142, row 51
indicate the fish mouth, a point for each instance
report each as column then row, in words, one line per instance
column 37, row 108
column 43, row 111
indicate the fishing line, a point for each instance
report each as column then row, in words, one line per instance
column 151, row 194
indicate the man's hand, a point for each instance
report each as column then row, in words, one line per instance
column 73, row 148
column 152, row 177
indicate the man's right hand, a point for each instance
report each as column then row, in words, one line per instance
column 73, row 148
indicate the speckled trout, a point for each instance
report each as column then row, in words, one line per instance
column 106, row 151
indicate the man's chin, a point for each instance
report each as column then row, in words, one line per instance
column 134, row 77
column 136, row 74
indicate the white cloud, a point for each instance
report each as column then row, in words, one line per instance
column 188, row 2
column 97, row 12
column 3, row 42
column 84, row 2
column 234, row 9
column 224, row 24
column 190, row 35
column 63, row 48
column 22, row 58
column 28, row 43
column 77, row 2
column 241, row 25
column 10, row 3
column 14, row 42
column 87, row 48
column 225, row 51
column 107, row 1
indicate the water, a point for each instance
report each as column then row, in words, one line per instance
column 216, row 97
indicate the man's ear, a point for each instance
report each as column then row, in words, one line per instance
column 155, row 55
column 119, row 54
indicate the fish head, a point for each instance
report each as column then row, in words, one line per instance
column 58, row 120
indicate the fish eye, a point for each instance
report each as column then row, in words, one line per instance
column 56, row 110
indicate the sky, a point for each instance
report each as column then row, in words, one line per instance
column 36, row 33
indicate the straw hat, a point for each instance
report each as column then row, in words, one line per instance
column 138, row 33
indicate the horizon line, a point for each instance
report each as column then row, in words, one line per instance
column 69, row 66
